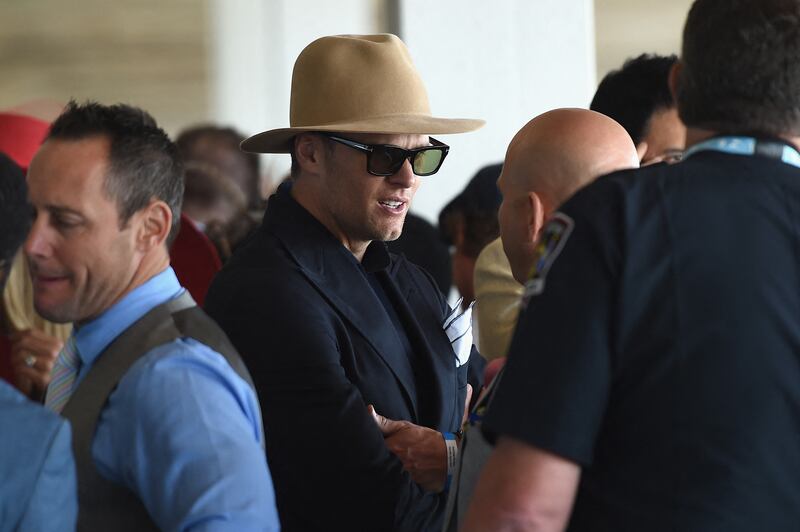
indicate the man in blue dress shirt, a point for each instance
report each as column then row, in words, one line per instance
column 37, row 491
column 167, row 428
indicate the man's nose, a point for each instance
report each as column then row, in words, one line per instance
column 37, row 244
column 404, row 177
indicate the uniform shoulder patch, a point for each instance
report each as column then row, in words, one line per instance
column 552, row 239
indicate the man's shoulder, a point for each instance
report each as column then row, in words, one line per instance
column 261, row 267
column 183, row 367
column 24, row 419
column 622, row 198
column 181, row 355
column 28, row 435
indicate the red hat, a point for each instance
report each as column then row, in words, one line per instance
column 21, row 136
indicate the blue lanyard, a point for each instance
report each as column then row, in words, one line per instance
column 748, row 146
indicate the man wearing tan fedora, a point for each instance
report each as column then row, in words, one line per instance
column 328, row 321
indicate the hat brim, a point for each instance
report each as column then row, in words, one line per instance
column 280, row 140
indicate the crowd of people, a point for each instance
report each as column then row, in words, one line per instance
column 181, row 354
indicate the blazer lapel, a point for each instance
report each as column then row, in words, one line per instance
column 323, row 261
column 423, row 322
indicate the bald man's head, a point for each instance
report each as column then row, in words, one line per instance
column 548, row 160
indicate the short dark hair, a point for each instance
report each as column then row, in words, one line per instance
column 15, row 212
column 191, row 148
column 632, row 94
column 143, row 162
column 741, row 67
column 294, row 170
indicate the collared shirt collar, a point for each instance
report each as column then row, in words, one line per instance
column 93, row 337
column 376, row 257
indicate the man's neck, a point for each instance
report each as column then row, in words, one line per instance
column 150, row 266
column 697, row 135
column 309, row 201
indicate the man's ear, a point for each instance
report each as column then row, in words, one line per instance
column 674, row 79
column 155, row 222
column 535, row 215
column 641, row 150
column 309, row 150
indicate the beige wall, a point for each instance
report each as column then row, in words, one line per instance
column 627, row 28
column 151, row 53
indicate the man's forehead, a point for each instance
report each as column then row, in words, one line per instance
column 63, row 172
column 72, row 154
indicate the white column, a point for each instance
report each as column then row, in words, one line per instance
column 253, row 46
column 504, row 61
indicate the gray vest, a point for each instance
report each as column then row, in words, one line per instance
column 104, row 505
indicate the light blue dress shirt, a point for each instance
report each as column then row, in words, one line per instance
column 38, row 490
column 182, row 430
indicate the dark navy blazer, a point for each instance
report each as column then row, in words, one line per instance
column 320, row 347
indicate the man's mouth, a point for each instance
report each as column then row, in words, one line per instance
column 392, row 205
column 41, row 277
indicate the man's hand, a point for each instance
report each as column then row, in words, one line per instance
column 33, row 354
column 466, row 404
column 422, row 450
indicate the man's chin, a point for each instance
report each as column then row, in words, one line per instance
column 54, row 314
column 389, row 234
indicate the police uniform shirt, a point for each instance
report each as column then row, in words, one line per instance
column 660, row 348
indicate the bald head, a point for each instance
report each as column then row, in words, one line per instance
column 561, row 151
column 549, row 159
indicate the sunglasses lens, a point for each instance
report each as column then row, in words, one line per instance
column 386, row 160
column 427, row 162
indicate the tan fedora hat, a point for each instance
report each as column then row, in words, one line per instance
column 357, row 83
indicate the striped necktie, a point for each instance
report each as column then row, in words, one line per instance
column 64, row 372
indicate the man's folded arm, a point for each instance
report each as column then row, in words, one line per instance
column 320, row 434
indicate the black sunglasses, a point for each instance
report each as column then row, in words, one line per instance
column 385, row 159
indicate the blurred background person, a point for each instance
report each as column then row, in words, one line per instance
column 638, row 97
column 219, row 147
column 497, row 296
column 468, row 223
column 223, row 185
column 216, row 206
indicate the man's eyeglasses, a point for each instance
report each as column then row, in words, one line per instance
column 385, row 159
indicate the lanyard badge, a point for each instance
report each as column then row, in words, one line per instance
column 749, row 146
